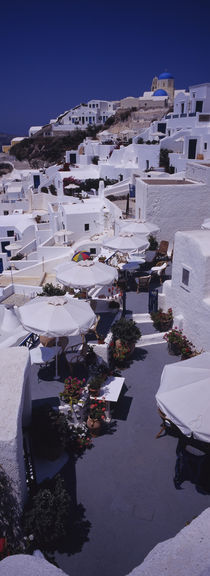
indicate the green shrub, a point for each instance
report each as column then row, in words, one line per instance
column 10, row 520
column 50, row 290
column 18, row 256
column 125, row 330
column 47, row 515
column 95, row 160
column 153, row 243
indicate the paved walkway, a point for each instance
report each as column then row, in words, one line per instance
column 125, row 482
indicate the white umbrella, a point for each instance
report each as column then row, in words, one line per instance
column 71, row 187
column 184, row 395
column 138, row 227
column 126, row 242
column 14, row 246
column 56, row 316
column 206, row 224
column 85, row 274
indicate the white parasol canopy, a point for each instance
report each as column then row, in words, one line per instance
column 85, row 274
column 56, row 316
column 138, row 227
column 126, row 242
column 206, row 224
column 184, row 395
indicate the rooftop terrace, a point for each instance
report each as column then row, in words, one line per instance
column 165, row 182
column 124, row 486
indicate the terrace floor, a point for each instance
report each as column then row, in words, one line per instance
column 124, row 485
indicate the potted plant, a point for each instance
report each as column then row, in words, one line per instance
column 120, row 352
column 96, row 417
column 126, row 331
column 177, row 341
column 73, row 389
column 162, row 321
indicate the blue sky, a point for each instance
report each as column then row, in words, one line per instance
column 56, row 54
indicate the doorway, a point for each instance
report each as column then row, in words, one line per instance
column 192, row 149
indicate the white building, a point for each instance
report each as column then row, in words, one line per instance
column 173, row 203
column 92, row 113
column 90, row 217
column 188, row 292
column 87, row 151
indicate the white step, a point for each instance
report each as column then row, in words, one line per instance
column 141, row 318
column 149, row 339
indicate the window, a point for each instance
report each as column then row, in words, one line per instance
column 86, row 227
column 10, row 232
column 205, row 146
column 93, row 251
column 193, row 95
column 185, row 276
column 6, row 212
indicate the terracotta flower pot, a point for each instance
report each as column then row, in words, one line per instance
column 174, row 348
column 94, row 426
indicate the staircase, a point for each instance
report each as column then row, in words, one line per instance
column 144, row 322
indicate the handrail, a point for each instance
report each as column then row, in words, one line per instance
column 30, row 341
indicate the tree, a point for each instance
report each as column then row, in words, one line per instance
column 53, row 190
column 48, row 514
column 10, row 525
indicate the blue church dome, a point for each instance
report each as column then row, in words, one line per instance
column 160, row 92
column 165, row 76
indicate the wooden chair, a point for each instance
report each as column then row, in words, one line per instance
column 76, row 357
column 143, row 283
column 94, row 327
column 162, row 251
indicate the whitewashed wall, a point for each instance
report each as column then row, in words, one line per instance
column 172, row 206
column 191, row 304
column 15, row 403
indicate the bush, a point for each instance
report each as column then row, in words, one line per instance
column 53, row 190
column 126, row 331
column 50, row 290
column 164, row 159
column 44, row 189
column 47, row 516
column 113, row 304
column 18, row 256
column 95, row 160
column 162, row 320
column 9, row 513
column 153, row 243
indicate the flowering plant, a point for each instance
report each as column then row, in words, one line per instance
column 177, row 338
column 73, row 388
column 120, row 352
column 160, row 318
column 97, row 409
column 79, row 439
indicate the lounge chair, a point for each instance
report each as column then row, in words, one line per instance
column 143, row 283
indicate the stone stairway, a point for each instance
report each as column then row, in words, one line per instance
column 144, row 323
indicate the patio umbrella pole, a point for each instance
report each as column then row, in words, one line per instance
column 56, row 377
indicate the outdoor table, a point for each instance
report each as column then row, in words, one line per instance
column 110, row 392
column 43, row 354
